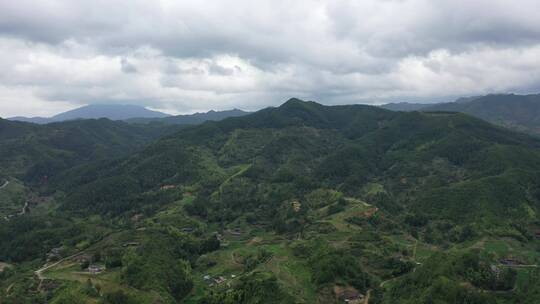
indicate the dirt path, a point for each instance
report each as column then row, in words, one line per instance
column 39, row 272
column 519, row 266
column 9, row 288
column 414, row 250
column 24, row 208
column 233, row 258
column 4, row 185
column 23, row 211
column 366, row 300
column 4, row 266
column 384, row 282
column 241, row 171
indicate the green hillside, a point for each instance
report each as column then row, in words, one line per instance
column 31, row 152
column 518, row 112
column 303, row 203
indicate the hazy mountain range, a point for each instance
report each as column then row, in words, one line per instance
column 112, row 112
column 132, row 114
column 517, row 112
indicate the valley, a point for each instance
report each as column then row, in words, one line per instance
column 301, row 203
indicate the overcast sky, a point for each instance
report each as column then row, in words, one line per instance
column 186, row 56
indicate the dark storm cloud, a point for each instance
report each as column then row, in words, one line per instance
column 191, row 55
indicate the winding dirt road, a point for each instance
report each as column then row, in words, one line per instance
column 366, row 300
column 39, row 272
column 4, row 185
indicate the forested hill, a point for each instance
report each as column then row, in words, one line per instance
column 341, row 147
column 302, row 203
column 517, row 112
column 31, row 152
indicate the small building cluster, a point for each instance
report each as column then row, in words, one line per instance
column 167, row 187
column 36, row 200
column 496, row 270
column 217, row 280
column 234, row 232
column 95, row 269
column 348, row 295
column 83, row 258
column 370, row 212
column 511, row 262
column 131, row 244
column 55, row 254
column 137, row 217
column 296, row 206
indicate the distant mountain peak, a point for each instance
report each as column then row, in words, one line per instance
column 296, row 103
column 96, row 111
column 113, row 112
column 294, row 100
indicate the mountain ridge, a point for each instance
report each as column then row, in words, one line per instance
column 514, row 111
column 517, row 112
column 132, row 114
column 96, row 111
column 191, row 119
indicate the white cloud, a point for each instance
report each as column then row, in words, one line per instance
column 185, row 56
column 14, row 102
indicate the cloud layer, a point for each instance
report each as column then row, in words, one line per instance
column 185, row 56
